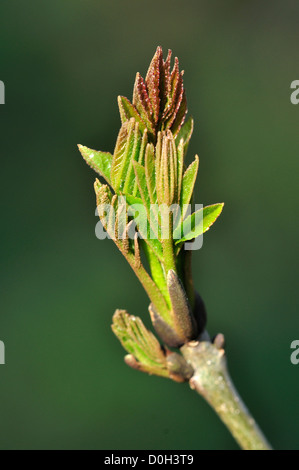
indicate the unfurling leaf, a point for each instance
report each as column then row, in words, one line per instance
column 147, row 227
column 159, row 101
column 145, row 352
column 152, row 80
column 140, row 343
column 198, row 222
column 149, row 166
column 180, row 116
column 166, row 167
column 142, row 185
column 128, row 111
column 99, row 161
column 142, row 103
column 186, row 133
column 188, row 183
column 103, row 193
column 127, row 149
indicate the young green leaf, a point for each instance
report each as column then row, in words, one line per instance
column 99, row 161
column 140, row 343
column 146, row 227
column 166, row 169
column 188, row 183
column 128, row 185
column 180, row 166
column 126, row 150
column 142, row 186
column 156, row 269
column 186, row 133
column 131, row 200
column 140, row 160
column 149, row 166
column 199, row 222
column 128, row 111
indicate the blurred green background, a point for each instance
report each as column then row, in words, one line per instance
column 64, row 384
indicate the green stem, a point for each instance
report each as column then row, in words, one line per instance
column 167, row 244
column 149, row 286
column 212, row 381
column 157, row 272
